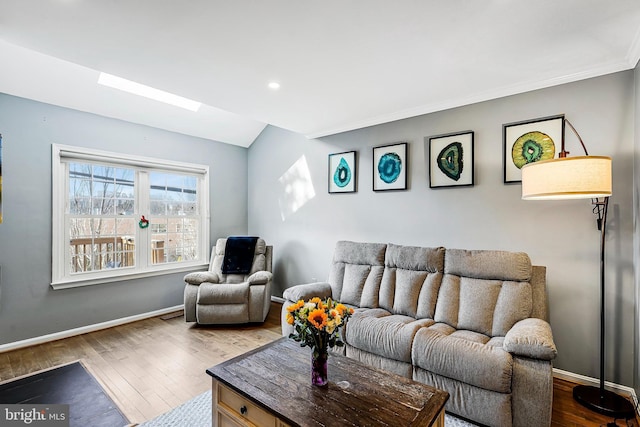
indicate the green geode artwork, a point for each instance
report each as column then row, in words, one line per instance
column 450, row 160
column 532, row 147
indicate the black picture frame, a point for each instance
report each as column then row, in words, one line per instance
column 451, row 159
column 544, row 135
column 342, row 176
column 390, row 166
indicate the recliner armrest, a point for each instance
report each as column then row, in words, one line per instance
column 199, row 277
column 260, row 278
column 531, row 338
column 307, row 291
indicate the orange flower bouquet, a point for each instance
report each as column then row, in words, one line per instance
column 316, row 323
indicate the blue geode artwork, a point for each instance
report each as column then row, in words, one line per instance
column 342, row 172
column 389, row 167
column 342, row 175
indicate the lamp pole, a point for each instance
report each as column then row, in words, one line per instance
column 598, row 398
column 602, row 226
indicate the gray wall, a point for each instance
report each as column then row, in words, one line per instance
column 28, row 305
column 636, row 222
column 491, row 215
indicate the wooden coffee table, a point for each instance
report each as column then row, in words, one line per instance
column 271, row 386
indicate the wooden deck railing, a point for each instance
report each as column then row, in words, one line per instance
column 100, row 253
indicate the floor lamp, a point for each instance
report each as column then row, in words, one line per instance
column 576, row 178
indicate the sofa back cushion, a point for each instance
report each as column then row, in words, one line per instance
column 485, row 291
column 411, row 280
column 356, row 272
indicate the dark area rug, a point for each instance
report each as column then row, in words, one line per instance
column 89, row 404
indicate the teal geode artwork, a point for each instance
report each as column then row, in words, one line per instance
column 342, row 175
column 390, row 167
column 450, row 160
column 342, row 172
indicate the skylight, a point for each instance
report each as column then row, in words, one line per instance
column 147, row 91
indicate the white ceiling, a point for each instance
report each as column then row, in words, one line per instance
column 342, row 65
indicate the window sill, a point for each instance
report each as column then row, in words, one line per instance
column 121, row 277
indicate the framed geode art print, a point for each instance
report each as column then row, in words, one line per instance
column 390, row 167
column 451, row 160
column 530, row 141
column 342, row 172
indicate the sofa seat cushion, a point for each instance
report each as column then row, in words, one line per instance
column 381, row 333
column 464, row 356
column 496, row 342
column 223, row 293
column 470, row 336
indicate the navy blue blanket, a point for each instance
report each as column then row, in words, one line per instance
column 238, row 254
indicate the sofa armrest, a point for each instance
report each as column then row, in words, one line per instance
column 260, row 278
column 307, row 291
column 199, row 277
column 531, row 338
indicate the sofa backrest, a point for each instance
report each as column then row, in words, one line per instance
column 411, row 280
column 356, row 272
column 479, row 290
column 485, row 291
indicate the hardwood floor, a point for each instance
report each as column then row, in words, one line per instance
column 153, row 365
column 150, row 366
column 567, row 412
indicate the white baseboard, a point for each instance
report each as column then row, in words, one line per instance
column 582, row 379
column 86, row 329
column 277, row 299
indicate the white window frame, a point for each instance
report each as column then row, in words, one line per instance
column 60, row 232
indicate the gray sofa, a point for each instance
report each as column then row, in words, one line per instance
column 473, row 323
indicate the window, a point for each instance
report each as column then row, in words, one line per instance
column 117, row 217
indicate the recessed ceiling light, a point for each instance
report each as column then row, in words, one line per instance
column 274, row 85
column 147, row 91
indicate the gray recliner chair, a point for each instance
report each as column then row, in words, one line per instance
column 213, row 297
